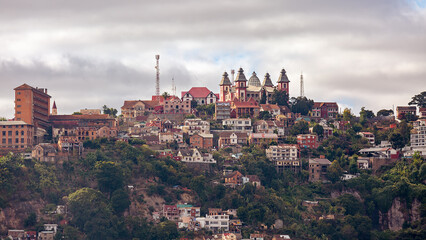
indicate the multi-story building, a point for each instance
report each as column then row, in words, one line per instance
column 418, row 134
column 215, row 223
column 269, row 126
column 166, row 137
column 325, row 110
column 133, row 109
column 202, row 95
column 174, row 105
column 32, row 105
column 171, row 212
column 70, row 144
column 232, row 138
column 234, row 178
column 369, row 136
column 401, row 111
column 238, row 124
column 222, row 110
column 16, row 136
column 318, row 169
column 201, row 140
column 187, row 210
column 283, row 151
column 284, row 157
column 307, row 141
column 196, row 125
column 240, row 109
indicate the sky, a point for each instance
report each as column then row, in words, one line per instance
column 88, row 54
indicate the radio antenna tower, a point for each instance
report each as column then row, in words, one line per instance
column 157, row 85
column 173, row 87
column 302, row 87
column 232, row 76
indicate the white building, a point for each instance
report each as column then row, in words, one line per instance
column 194, row 156
column 196, row 125
column 282, row 152
column 216, row 223
column 238, row 124
column 369, row 136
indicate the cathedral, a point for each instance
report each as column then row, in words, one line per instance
column 243, row 90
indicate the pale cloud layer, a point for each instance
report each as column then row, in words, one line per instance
column 91, row 53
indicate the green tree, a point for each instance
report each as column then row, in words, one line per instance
column 263, row 97
column 334, row 171
column 351, row 204
column 419, row 100
column 301, row 127
column 265, row 115
column 347, row 115
column 301, row 105
column 165, row 95
column 79, row 113
column 280, row 98
column 71, row 233
column 194, row 104
column 397, row 140
column 110, row 111
column 319, row 130
column 85, row 204
column 120, row 201
column 31, row 220
column 110, row 176
column 384, row 113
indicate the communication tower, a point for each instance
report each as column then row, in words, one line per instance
column 157, row 85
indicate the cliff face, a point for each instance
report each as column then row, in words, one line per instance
column 13, row 216
column 398, row 214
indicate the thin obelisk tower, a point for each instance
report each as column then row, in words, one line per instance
column 157, row 83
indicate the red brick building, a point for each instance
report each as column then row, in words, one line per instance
column 32, row 105
column 16, row 136
column 235, row 178
column 307, row 141
column 241, row 109
column 201, row 140
column 325, row 110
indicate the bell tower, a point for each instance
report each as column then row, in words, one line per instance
column 225, row 87
column 283, row 82
column 241, row 85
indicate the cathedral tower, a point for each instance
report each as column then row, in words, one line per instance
column 283, row 82
column 225, row 87
column 241, row 85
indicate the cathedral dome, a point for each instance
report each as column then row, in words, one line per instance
column 254, row 81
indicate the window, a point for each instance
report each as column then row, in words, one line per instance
column 17, row 132
column 22, row 140
column 3, row 140
column 18, row 112
column 19, row 93
column 18, row 99
column 4, row 133
column 9, row 133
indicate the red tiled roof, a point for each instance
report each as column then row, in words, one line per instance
column 251, row 103
column 78, row 117
column 327, row 104
column 268, row 107
column 198, row 92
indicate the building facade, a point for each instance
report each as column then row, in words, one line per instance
column 325, row 110
column 318, row 169
column 222, row 110
column 307, row 141
column 16, row 136
column 32, row 105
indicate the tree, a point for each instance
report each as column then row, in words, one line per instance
column 347, row 114
column 165, row 95
column 120, row 201
column 419, row 100
column 280, row 98
column 334, row 171
column 365, row 115
column 319, row 130
column 194, row 104
column 110, row 111
column 301, row 105
column 77, row 113
column 31, row 220
column 109, row 175
column 302, row 127
column 265, row 115
column 85, row 204
column 384, row 113
column 396, row 140
column 263, row 97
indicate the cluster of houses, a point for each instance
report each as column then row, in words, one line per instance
column 168, row 124
column 48, row 233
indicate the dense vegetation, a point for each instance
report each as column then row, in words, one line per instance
column 95, row 190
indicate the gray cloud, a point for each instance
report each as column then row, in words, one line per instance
column 90, row 53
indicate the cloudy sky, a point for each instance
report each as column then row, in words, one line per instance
column 90, row 53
